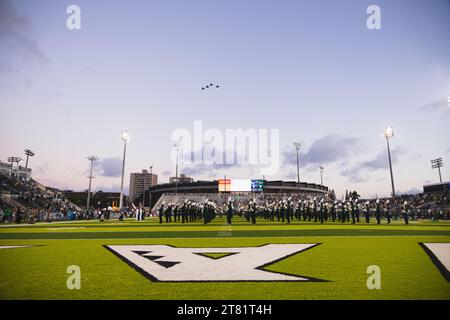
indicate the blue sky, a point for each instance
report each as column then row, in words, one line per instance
column 311, row 69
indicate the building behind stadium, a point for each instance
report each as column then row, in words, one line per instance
column 139, row 182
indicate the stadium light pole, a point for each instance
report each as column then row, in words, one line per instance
column 149, row 192
column 321, row 175
column 28, row 153
column 88, row 201
column 297, row 147
column 125, row 139
column 437, row 163
column 388, row 133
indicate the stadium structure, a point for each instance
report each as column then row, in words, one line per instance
column 174, row 192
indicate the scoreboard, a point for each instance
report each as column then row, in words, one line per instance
column 241, row 185
column 258, row 185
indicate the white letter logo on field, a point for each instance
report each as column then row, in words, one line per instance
column 167, row 263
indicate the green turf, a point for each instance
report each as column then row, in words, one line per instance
column 346, row 251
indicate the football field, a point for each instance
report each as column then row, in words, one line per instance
column 269, row 260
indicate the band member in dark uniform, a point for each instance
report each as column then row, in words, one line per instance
column 333, row 211
column 367, row 211
column 229, row 212
column 352, row 210
column 378, row 211
column 161, row 212
column 357, row 212
column 168, row 213
column 253, row 213
column 288, row 211
column 406, row 212
column 386, row 212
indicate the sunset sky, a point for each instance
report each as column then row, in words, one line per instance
column 311, row 69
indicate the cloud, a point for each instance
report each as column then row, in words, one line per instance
column 416, row 156
column 380, row 161
column 166, row 173
column 109, row 167
column 292, row 175
column 206, row 162
column 328, row 149
column 41, row 169
column 15, row 40
column 440, row 106
column 357, row 179
column 211, row 169
column 48, row 182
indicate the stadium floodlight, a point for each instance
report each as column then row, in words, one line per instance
column 322, row 169
column 297, row 146
column 388, row 133
column 437, row 164
column 28, row 153
column 125, row 137
column 91, row 159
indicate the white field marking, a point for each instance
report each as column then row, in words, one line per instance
column 43, row 224
column 190, row 266
column 224, row 231
column 235, row 237
column 64, row 228
column 442, row 252
column 61, row 222
column 12, row 247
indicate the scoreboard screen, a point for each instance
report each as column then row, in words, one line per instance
column 241, row 185
column 258, row 185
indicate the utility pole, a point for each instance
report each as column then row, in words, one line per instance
column 125, row 139
column 297, row 147
column 149, row 191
